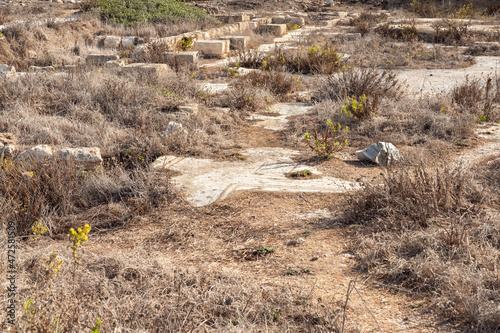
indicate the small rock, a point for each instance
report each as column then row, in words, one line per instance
column 40, row 153
column 189, row 108
column 7, row 71
column 87, row 157
column 382, row 153
column 296, row 242
column 173, row 127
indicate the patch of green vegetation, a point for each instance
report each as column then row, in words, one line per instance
column 303, row 173
column 131, row 12
column 265, row 250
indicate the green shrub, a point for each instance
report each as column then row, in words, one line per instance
column 130, row 12
column 361, row 107
column 332, row 139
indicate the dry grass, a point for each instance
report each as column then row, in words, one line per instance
column 57, row 193
column 358, row 82
column 373, row 50
column 306, row 58
column 409, row 121
column 68, row 43
column 429, row 230
column 111, row 111
column 481, row 99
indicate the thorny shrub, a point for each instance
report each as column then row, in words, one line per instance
column 52, row 191
column 428, row 229
column 479, row 98
column 358, row 82
column 332, row 139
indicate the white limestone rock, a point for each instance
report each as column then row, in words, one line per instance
column 382, row 153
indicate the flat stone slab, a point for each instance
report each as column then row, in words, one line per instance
column 282, row 112
column 211, row 48
column 205, row 181
column 277, row 30
column 146, row 69
column 443, row 80
column 214, row 88
column 237, row 42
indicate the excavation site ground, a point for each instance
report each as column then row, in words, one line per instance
column 249, row 166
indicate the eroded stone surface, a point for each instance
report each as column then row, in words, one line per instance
column 205, row 181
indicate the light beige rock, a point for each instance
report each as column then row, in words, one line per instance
column 273, row 29
column 116, row 63
column 100, row 59
column 128, row 42
column 189, row 108
column 149, row 70
column 39, row 69
column 89, row 158
column 237, row 42
column 40, row 153
column 181, row 58
column 111, row 42
column 7, row 71
column 211, row 48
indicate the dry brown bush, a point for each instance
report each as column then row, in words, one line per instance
column 478, row 98
column 413, row 121
column 139, row 293
column 53, row 191
column 366, row 21
column 358, row 82
column 428, row 229
column 108, row 110
column 385, row 52
column 307, row 58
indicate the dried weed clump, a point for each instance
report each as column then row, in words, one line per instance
column 429, row 229
column 316, row 58
column 137, row 293
column 108, row 110
column 387, row 53
column 57, row 192
column 481, row 99
column 358, row 82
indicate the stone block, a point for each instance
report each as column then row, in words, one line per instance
column 128, row 42
column 277, row 30
column 253, row 25
column 278, row 20
column 181, row 58
column 116, row 63
column 7, row 71
column 41, row 69
column 295, row 21
column 233, row 18
column 100, row 59
column 189, row 108
column 211, row 48
column 237, row 42
column 40, row 153
column 149, row 70
column 111, row 42
column 89, row 158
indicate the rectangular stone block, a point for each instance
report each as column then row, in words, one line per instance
column 278, row 20
column 100, row 59
column 273, row 29
column 211, row 48
column 237, row 42
column 128, row 42
column 7, row 71
column 149, row 70
column 41, row 69
column 233, row 18
column 181, row 58
column 111, row 42
column 295, row 21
